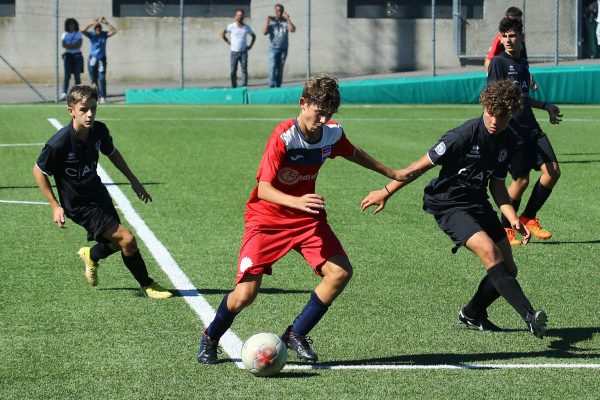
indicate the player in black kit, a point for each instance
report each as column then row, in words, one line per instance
column 536, row 151
column 473, row 157
column 71, row 156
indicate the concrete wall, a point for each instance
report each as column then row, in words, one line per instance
column 148, row 49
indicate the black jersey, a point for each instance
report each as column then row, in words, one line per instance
column 504, row 66
column 73, row 164
column 469, row 156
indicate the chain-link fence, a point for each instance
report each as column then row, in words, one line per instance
column 176, row 43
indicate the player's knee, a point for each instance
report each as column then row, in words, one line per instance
column 342, row 274
column 238, row 301
column 128, row 243
column 522, row 183
column 490, row 255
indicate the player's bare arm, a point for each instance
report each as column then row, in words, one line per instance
column 552, row 109
column 401, row 178
column 363, row 159
column 117, row 159
column 58, row 214
column 501, row 197
column 311, row 203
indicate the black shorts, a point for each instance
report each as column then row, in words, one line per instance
column 461, row 224
column 531, row 154
column 96, row 219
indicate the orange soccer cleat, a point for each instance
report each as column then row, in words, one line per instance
column 510, row 233
column 533, row 224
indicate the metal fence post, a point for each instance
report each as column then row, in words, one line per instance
column 309, row 44
column 181, row 55
column 56, row 83
column 557, row 32
column 432, row 37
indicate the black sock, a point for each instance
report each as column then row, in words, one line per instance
column 539, row 195
column 136, row 265
column 485, row 295
column 311, row 314
column 509, row 288
column 515, row 203
column 222, row 321
column 100, row 251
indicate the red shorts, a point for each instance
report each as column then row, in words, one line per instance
column 261, row 248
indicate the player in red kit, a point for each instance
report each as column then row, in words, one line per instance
column 285, row 213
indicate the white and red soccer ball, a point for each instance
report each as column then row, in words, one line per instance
column 264, row 354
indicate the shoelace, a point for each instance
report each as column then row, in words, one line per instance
column 304, row 340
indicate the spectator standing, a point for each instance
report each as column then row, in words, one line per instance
column 72, row 57
column 238, row 31
column 278, row 28
column 97, row 60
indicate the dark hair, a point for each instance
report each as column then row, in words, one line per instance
column 79, row 93
column 280, row 6
column 240, row 9
column 98, row 26
column 513, row 12
column 323, row 92
column 70, row 21
column 510, row 24
column 501, row 98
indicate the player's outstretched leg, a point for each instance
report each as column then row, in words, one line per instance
column 242, row 296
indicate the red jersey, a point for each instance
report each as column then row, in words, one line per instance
column 291, row 164
column 496, row 48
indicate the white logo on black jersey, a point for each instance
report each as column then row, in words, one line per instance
column 440, row 148
column 474, row 153
column 502, row 155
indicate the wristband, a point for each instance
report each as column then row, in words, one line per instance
column 386, row 189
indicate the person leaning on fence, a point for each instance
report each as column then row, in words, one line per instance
column 278, row 28
column 97, row 60
column 238, row 31
column 72, row 57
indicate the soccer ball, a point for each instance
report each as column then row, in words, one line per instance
column 264, row 354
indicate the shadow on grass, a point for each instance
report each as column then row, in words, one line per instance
column 566, row 242
column 562, row 347
column 200, row 292
column 106, row 184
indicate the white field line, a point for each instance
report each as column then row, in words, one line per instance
column 20, row 144
column 440, row 366
column 232, row 344
column 229, row 342
column 24, row 202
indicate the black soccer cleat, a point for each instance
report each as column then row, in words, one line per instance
column 536, row 323
column 481, row 323
column 300, row 344
column 207, row 354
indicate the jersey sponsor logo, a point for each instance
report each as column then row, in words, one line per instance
column 296, row 157
column 83, row 172
column 325, row 152
column 502, row 155
column 440, row 149
column 71, row 157
column 289, row 176
column 474, row 153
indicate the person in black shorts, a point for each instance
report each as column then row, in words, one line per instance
column 475, row 156
column 71, row 156
column 536, row 151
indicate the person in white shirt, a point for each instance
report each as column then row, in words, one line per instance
column 238, row 31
